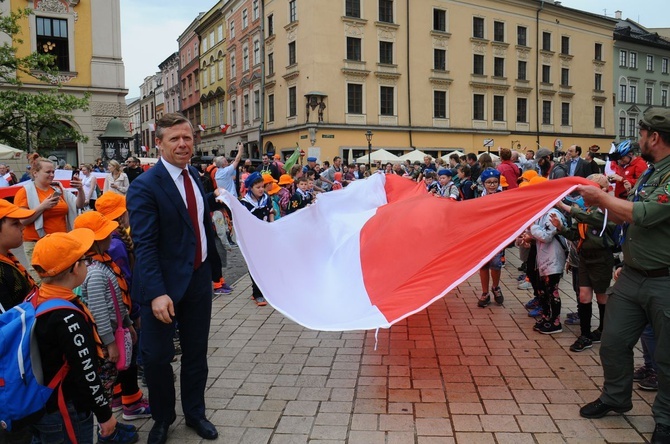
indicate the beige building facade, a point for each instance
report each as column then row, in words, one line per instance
column 442, row 75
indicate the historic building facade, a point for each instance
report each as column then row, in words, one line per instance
column 170, row 73
column 189, row 73
column 437, row 76
column 85, row 37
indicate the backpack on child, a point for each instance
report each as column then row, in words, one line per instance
column 23, row 392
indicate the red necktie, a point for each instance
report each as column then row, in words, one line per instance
column 193, row 214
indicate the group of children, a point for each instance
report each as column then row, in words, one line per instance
column 89, row 267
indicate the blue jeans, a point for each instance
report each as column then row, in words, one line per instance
column 648, row 347
column 50, row 429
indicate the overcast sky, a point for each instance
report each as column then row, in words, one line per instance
column 149, row 28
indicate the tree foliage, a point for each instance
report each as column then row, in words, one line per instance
column 33, row 118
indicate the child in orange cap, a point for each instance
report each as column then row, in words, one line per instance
column 15, row 281
column 69, row 336
column 101, row 286
column 285, row 183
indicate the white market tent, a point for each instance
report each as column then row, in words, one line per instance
column 445, row 157
column 380, row 155
column 413, row 156
column 7, row 152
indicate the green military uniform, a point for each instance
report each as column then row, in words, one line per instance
column 641, row 295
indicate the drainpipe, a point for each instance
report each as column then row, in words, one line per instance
column 261, row 126
column 537, row 74
column 409, row 89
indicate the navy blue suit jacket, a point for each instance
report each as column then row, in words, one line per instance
column 164, row 236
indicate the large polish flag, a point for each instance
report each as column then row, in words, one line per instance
column 381, row 249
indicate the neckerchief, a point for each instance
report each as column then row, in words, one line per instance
column 260, row 203
column 120, row 278
column 12, row 260
column 52, row 291
column 303, row 194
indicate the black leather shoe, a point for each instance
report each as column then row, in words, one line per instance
column 598, row 409
column 661, row 434
column 159, row 432
column 203, row 427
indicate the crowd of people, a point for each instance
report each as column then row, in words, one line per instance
column 157, row 281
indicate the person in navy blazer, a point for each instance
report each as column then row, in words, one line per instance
column 168, row 282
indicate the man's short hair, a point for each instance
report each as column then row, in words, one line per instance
column 472, row 156
column 336, row 158
column 578, row 149
column 218, row 161
column 465, row 169
column 168, row 121
column 505, row 153
column 455, row 157
column 301, row 179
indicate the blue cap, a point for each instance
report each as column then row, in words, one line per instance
column 428, row 170
column 489, row 173
column 446, row 172
column 251, row 178
column 311, row 159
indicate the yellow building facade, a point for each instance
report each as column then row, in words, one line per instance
column 85, row 37
column 212, row 33
column 436, row 76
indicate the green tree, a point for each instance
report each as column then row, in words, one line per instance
column 30, row 119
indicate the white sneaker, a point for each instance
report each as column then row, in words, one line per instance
column 525, row 285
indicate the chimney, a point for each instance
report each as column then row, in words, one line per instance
column 617, row 15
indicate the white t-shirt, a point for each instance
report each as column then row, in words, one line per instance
column 87, row 183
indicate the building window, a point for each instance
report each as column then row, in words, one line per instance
column 52, row 39
column 546, row 74
column 546, row 112
column 233, row 66
column 649, row 95
column 632, row 127
column 386, row 52
column 598, row 51
column 204, row 45
column 212, row 114
column 271, row 25
column 354, row 48
column 231, row 29
column 292, row 102
column 203, row 71
column 633, row 60
column 623, row 57
column 565, row 45
column 271, row 108
column 521, row 70
column 598, row 117
column 292, row 11
column 623, row 93
column 257, row 104
column 291, row 53
column 478, row 106
column 478, row 27
column 245, row 108
column 498, row 67
column 221, row 69
column 354, row 98
column 565, row 114
column 440, row 104
column 219, row 33
column 211, row 39
column 521, row 35
column 546, row 41
column 521, row 110
column 478, row 64
column 352, row 8
column 565, row 76
column 254, row 8
column 664, row 65
column 650, row 62
column 499, row 108
column 205, row 115
column 245, row 59
column 221, row 108
column 439, row 20
column 271, row 63
column 498, row 31
column 212, row 74
column 633, row 93
column 233, row 112
column 622, row 127
column 664, row 97
column 245, row 19
column 386, row 11
column 598, row 82
column 440, row 59
column 386, row 101
column 257, row 52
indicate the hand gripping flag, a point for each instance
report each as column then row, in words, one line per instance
column 337, row 265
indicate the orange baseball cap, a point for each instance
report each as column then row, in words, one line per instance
column 56, row 252
column 96, row 222
column 8, row 209
column 111, row 205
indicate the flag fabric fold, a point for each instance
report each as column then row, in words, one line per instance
column 224, row 128
column 292, row 160
column 336, row 265
column 202, row 127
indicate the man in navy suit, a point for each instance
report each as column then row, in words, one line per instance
column 577, row 166
column 176, row 260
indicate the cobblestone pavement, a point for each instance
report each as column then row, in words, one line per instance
column 454, row 373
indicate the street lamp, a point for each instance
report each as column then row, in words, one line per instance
column 368, row 136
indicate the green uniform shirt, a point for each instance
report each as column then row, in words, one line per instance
column 594, row 219
column 647, row 243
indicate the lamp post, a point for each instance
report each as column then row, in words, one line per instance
column 368, row 136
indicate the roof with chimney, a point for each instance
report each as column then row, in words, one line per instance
column 628, row 30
